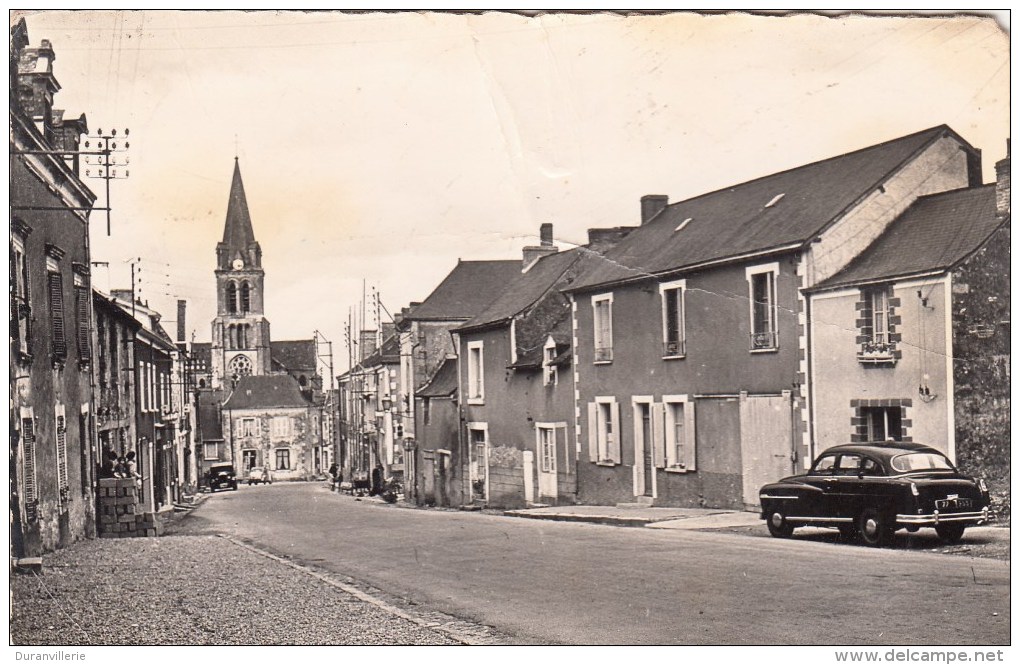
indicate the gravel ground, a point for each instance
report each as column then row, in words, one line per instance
column 191, row 590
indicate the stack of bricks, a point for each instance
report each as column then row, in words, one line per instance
column 120, row 514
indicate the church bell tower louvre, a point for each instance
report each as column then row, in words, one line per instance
column 240, row 331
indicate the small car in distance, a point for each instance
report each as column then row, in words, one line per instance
column 870, row 490
column 258, row 474
column 222, row 476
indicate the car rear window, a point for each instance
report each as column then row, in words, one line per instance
column 921, row 462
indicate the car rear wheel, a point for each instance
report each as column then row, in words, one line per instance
column 778, row 526
column 874, row 528
column 950, row 533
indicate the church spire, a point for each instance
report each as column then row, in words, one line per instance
column 237, row 232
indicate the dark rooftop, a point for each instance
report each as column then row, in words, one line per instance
column 272, row 391
column 293, row 355
column 443, row 383
column 765, row 214
column 468, row 289
column 934, row 233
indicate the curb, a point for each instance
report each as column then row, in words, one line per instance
column 605, row 520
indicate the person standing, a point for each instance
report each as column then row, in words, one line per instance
column 377, row 480
column 332, row 475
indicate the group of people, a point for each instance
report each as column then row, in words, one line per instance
column 116, row 466
column 375, row 487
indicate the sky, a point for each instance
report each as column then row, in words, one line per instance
column 377, row 149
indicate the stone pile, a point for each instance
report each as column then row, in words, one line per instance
column 120, row 514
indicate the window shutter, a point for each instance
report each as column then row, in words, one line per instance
column 690, row 444
column 560, row 439
column 62, row 483
column 15, row 307
column 593, row 432
column 658, row 443
column 614, row 449
column 31, row 491
column 84, row 347
column 56, row 284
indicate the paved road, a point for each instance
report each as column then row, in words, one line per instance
column 555, row 582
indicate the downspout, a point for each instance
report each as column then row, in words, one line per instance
column 465, row 482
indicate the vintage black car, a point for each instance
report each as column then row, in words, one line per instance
column 222, row 476
column 869, row 490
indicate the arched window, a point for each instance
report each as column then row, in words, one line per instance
column 201, row 384
column 242, row 336
column 231, row 297
column 302, row 381
column 231, row 337
column 240, row 366
column 245, row 297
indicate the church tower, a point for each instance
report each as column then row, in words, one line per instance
column 240, row 331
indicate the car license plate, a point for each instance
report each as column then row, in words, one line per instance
column 953, row 503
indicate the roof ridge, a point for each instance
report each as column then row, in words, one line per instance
column 943, row 127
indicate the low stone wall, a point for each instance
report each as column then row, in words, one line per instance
column 120, row 514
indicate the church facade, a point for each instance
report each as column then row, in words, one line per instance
column 245, row 380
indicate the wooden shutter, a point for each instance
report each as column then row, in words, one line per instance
column 62, row 483
column 562, row 444
column 690, row 437
column 56, row 285
column 593, row 432
column 658, row 443
column 30, row 489
column 82, row 311
column 614, row 449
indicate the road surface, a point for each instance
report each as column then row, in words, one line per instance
column 557, row 582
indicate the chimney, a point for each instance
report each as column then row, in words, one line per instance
column 601, row 240
column 652, row 205
column 544, row 248
column 37, row 85
column 367, row 345
column 1002, row 185
column 122, row 294
column 182, row 306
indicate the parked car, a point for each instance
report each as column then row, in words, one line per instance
column 259, row 474
column 221, row 476
column 869, row 490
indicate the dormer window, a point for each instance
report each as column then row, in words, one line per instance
column 549, row 373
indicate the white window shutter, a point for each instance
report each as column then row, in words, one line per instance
column 614, row 450
column 593, row 432
column 690, row 445
column 658, row 442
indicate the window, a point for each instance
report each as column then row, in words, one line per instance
column 883, row 423
column 602, row 309
column 876, row 326
column 81, row 311
column 245, row 297
column 211, row 450
column 680, row 439
column 28, row 477
column 240, row 366
column 824, row 465
column 603, row 431
column 426, row 410
column 280, row 426
column 114, row 356
column 21, row 312
column 246, row 427
column 231, row 298
column 547, row 449
column 673, row 334
column 143, row 373
column 283, row 459
column 248, row 459
column 549, row 373
column 61, row 440
column 762, row 284
column 58, row 344
column 476, row 373
column 849, row 465
column 479, row 461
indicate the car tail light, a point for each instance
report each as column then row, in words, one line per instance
column 914, row 490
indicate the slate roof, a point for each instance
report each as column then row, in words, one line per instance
column 443, row 383
column 935, row 233
column 237, row 231
column 533, row 356
column 388, row 354
column 293, row 355
column 738, row 220
column 266, row 392
column 202, row 352
column 526, row 288
column 467, row 290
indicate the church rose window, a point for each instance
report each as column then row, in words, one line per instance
column 241, row 366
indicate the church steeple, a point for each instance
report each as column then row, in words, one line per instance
column 238, row 237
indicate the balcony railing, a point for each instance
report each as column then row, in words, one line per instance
column 604, row 355
column 876, row 352
column 765, row 341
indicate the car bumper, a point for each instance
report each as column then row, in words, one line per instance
column 935, row 518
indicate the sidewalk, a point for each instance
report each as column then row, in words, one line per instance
column 644, row 516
